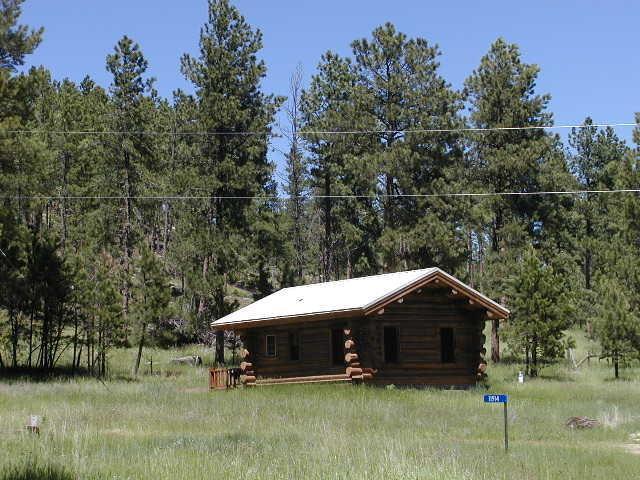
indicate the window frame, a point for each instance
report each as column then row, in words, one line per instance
column 275, row 345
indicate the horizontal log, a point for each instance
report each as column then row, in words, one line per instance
column 349, row 344
column 301, row 367
column 307, row 379
column 352, row 371
column 249, row 379
column 246, row 366
column 427, row 366
column 436, row 376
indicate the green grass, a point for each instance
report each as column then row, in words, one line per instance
column 169, row 426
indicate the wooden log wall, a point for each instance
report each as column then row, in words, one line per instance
column 314, row 345
column 419, row 318
column 354, row 368
column 248, row 377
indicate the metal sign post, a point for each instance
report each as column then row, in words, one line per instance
column 501, row 398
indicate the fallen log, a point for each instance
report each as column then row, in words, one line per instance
column 582, row 422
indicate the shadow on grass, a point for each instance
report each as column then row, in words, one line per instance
column 231, row 443
column 556, row 377
column 36, row 472
column 55, row 374
column 621, row 379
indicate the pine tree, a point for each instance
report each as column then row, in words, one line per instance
column 540, row 312
column 616, row 324
column 594, row 162
column 337, row 167
column 390, row 85
column 400, row 89
column 130, row 152
column 501, row 93
column 227, row 76
column 16, row 41
column 296, row 184
column 14, row 240
column 151, row 298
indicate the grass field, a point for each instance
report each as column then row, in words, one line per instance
column 169, row 426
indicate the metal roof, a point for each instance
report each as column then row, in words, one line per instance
column 356, row 295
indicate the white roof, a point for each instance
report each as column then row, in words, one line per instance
column 355, row 294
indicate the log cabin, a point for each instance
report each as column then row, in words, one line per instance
column 419, row 327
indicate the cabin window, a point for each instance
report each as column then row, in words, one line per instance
column 294, row 346
column 447, row 346
column 337, row 346
column 391, row 344
column 271, row 346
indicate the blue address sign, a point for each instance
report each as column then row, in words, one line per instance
column 495, row 398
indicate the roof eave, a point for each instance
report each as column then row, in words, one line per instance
column 496, row 309
column 283, row 320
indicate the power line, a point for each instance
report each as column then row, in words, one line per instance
column 323, row 132
column 346, row 196
column 9, row 261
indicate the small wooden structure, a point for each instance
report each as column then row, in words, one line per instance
column 421, row 327
column 224, row 378
column 33, row 425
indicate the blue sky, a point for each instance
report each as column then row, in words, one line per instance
column 586, row 49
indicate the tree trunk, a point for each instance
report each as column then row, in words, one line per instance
column 15, row 332
column 615, row 366
column 328, row 230
column 127, row 243
column 75, row 342
column 140, row 345
column 202, row 300
column 495, row 324
column 165, row 234
column 495, row 341
column 220, row 347
column 534, row 358
column 65, row 193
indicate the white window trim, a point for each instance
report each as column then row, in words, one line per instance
column 266, row 345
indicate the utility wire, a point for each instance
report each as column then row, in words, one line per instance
column 8, row 259
column 322, row 132
column 347, row 196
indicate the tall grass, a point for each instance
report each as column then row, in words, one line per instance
column 169, row 426
column 31, row 471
